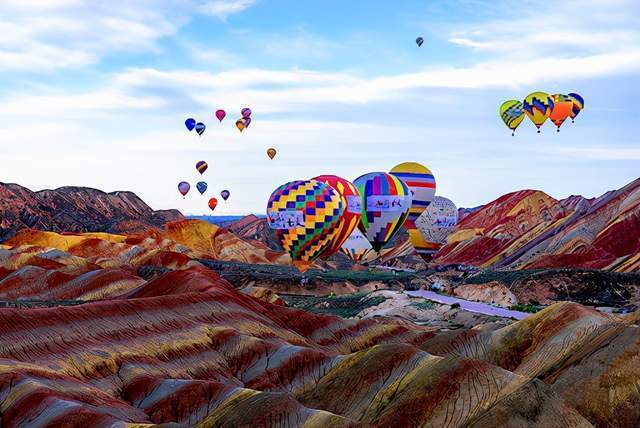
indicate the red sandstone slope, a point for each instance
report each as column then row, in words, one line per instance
column 76, row 209
column 529, row 229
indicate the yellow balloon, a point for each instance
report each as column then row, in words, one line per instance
column 538, row 107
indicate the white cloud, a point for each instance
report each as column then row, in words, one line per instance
column 221, row 9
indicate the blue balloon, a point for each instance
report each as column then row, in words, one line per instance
column 200, row 127
column 202, row 187
column 190, row 123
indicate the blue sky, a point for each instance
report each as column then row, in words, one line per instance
column 97, row 95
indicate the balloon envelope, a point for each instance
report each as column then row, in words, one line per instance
column 247, row 122
column 422, row 186
column 386, row 201
column 512, row 114
column 419, row 41
column 538, row 106
column 200, row 127
column 202, row 166
column 351, row 213
column 562, row 107
column 220, row 114
column 578, row 104
column 438, row 221
column 240, row 124
column 225, row 194
column 271, row 152
column 183, row 188
column 213, row 203
column 190, row 124
column 246, row 112
column 304, row 215
column 202, row 187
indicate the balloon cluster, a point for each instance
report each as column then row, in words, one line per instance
column 318, row 217
column 201, row 166
column 540, row 106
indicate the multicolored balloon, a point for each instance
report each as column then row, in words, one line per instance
column 562, row 108
column 422, row 185
column 245, row 112
column 578, row 105
column 512, row 114
column 305, row 215
column 437, row 222
column 538, row 107
column 183, row 188
column 225, row 194
column 386, row 201
column 202, row 166
column 220, row 114
column 202, row 187
column 240, row 125
column 200, row 127
column 213, row 203
column 271, row 152
column 190, row 124
column 419, row 41
column 358, row 248
column 247, row 122
column 350, row 215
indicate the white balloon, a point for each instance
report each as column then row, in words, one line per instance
column 438, row 220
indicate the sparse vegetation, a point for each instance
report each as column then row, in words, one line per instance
column 529, row 308
column 423, row 304
column 347, row 306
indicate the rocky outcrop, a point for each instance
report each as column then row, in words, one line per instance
column 491, row 292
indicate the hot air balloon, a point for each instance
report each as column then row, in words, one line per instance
column 200, row 127
column 202, row 166
column 437, row 222
column 562, row 107
column 247, row 122
column 578, row 105
column 419, row 41
column 220, row 114
column 202, row 187
column 225, row 194
column 245, row 112
column 190, row 124
column 271, row 152
column 512, row 114
column 350, row 215
column 304, row 215
column 240, row 124
column 422, row 185
column 538, row 107
column 386, row 201
column 213, row 203
column 183, row 188
column 358, row 248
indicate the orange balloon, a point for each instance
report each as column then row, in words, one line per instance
column 562, row 107
column 240, row 124
column 213, row 203
column 271, row 152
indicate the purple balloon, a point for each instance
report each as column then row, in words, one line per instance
column 225, row 194
column 247, row 121
column 183, row 188
column 246, row 112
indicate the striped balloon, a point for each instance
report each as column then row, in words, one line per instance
column 202, row 166
column 350, row 215
column 305, row 215
column 422, row 185
column 386, row 201
column 578, row 104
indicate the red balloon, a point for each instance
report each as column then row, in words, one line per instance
column 213, row 203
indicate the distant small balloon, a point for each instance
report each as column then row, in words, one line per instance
column 419, row 41
column 225, row 194
column 247, row 122
column 202, row 187
column 271, row 152
column 202, row 166
column 246, row 112
column 240, row 125
column 213, row 203
column 220, row 114
column 200, row 127
column 190, row 124
column 183, row 188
